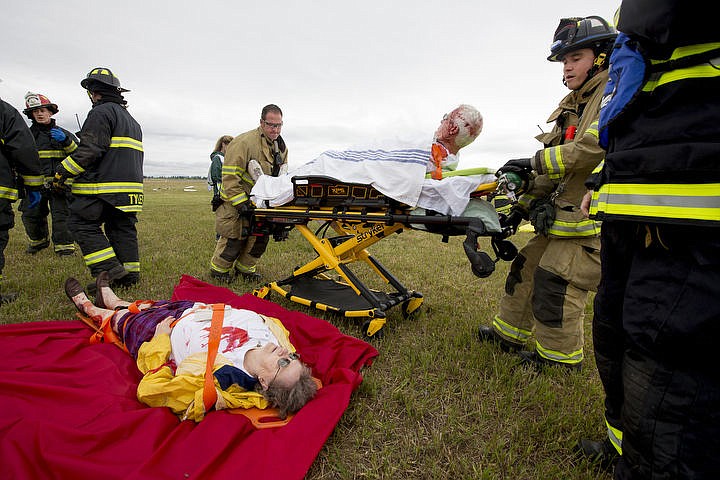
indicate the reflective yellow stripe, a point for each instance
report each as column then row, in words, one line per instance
column 132, row 267
column 219, row 269
column 615, row 435
column 8, row 193
column 107, row 187
column 239, row 172
column 71, row 166
column 129, row 208
column 52, row 153
column 518, row 335
column 571, row 358
column 126, row 142
column 70, row 148
column 99, row 256
column 238, row 199
column 686, row 201
column 705, row 70
column 554, row 166
column 244, row 268
column 33, row 180
column 584, row 228
column 600, row 166
column 593, row 129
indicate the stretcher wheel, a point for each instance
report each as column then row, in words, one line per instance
column 373, row 327
column 410, row 306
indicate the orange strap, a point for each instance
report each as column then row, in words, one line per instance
column 438, row 155
column 104, row 332
column 209, row 392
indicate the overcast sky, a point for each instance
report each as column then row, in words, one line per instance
column 346, row 74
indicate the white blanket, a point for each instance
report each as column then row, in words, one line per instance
column 398, row 174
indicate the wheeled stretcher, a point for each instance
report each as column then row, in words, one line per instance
column 359, row 217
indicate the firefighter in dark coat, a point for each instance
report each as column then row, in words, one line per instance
column 107, row 186
column 54, row 143
column 657, row 313
column 18, row 158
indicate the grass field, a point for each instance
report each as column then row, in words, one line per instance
column 436, row 403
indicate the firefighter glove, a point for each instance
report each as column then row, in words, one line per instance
column 517, row 165
column 33, row 197
column 245, row 209
column 57, row 134
column 542, row 216
column 512, row 220
column 58, row 183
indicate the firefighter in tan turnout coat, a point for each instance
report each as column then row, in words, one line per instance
column 547, row 287
column 260, row 151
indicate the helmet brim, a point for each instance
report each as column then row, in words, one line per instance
column 50, row 106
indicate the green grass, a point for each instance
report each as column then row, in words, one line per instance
column 435, row 404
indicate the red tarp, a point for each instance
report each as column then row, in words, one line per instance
column 68, row 409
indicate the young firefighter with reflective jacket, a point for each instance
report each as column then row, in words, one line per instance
column 260, row 151
column 54, row 143
column 657, row 311
column 18, row 158
column 107, row 187
column 547, row 287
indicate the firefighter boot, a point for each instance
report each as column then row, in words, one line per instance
column 34, row 248
column 488, row 334
column 115, row 274
column 539, row 363
column 603, row 454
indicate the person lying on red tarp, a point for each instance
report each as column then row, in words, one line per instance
column 256, row 365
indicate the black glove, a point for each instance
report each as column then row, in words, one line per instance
column 58, row 183
column 216, row 202
column 512, row 220
column 542, row 216
column 517, row 165
column 245, row 209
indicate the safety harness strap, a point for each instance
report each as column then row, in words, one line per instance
column 209, row 392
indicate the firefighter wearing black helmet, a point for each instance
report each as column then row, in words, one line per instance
column 54, row 143
column 548, row 284
column 107, row 186
column 18, row 160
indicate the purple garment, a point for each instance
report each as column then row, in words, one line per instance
column 137, row 328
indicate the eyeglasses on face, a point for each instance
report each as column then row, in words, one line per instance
column 273, row 125
column 284, row 362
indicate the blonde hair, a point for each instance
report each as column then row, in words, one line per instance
column 469, row 122
column 224, row 139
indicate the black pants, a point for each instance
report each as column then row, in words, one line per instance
column 7, row 221
column 36, row 223
column 106, row 235
column 618, row 239
column 671, row 385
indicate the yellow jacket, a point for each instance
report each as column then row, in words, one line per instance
column 182, row 390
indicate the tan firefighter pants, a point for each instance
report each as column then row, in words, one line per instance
column 546, row 291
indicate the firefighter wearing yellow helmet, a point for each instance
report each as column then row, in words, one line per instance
column 107, row 187
column 54, row 143
column 548, row 284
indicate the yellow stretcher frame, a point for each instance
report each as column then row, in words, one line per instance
column 357, row 229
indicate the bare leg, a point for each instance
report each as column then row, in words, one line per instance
column 111, row 300
column 83, row 303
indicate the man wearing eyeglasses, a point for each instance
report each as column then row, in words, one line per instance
column 261, row 151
